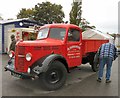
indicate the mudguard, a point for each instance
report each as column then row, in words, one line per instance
column 45, row 64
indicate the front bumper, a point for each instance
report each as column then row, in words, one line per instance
column 10, row 67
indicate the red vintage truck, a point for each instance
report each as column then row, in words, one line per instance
column 58, row 48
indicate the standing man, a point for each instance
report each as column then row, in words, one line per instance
column 12, row 45
column 107, row 54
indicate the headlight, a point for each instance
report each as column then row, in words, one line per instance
column 11, row 54
column 28, row 70
column 28, row 56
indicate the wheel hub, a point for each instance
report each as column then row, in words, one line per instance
column 54, row 77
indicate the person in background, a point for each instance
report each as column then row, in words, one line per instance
column 12, row 45
column 107, row 53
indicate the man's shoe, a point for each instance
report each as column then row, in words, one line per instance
column 99, row 80
column 108, row 81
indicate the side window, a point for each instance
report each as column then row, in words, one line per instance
column 73, row 35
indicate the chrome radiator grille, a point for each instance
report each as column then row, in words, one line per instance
column 20, row 58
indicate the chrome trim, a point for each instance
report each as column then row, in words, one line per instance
column 22, row 56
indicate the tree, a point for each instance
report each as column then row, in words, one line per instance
column 48, row 13
column 25, row 13
column 84, row 24
column 75, row 16
column 44, row 13
column 113, row 35
column 75, row 13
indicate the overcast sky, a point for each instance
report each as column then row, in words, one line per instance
column 101, row 13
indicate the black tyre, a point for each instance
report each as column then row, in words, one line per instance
column 54, row 77
column 95, row 67
column 95, row 64
column 85, row 60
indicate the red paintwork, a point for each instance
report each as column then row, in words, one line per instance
column 91, row 45
column 71, row 51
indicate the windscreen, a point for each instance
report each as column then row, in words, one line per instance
column 54, row 33
column 57, row 33
column 43, row 33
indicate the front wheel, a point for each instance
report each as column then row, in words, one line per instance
column 54, row 77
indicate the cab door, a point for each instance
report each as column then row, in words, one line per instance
column 74, row 55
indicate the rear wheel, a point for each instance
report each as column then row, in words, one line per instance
column 94, row 64
column 85, row 60
column 54, row 77
column 95, row 67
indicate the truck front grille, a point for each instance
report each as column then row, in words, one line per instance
column 21, row 50
column 20, row 58
column 20, row 64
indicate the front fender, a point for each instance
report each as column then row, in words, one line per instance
column 11, row 63
column 47, row 62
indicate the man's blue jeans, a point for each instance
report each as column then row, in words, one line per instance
column 108, row 61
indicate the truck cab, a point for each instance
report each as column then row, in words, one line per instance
column 57, row 48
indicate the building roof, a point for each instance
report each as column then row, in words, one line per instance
column 17, row 20
column 10, row 21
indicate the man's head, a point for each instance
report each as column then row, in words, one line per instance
column 12, row 37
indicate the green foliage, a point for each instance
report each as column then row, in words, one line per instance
column 75, row 13
column 44, row 12
column 113, row 35
column 85, row 25
column 25, row 13
column 47, row 13
column 75, row 17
